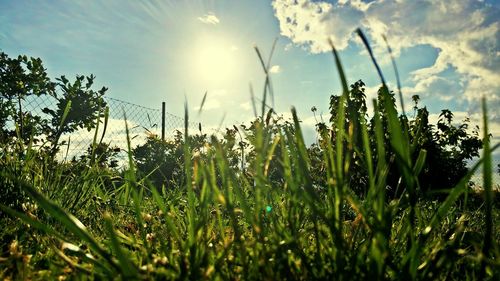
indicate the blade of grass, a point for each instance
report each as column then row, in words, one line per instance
column 106, row 119
column 96, row 131
column 270, row 155
column 304, row 160
column 264, row 95
column 399, row 138
column 340, row 121
column 271, row 92
column 454, row 195
column 71, row 263
column 60, row 129
column 34, row 223
column 267, row 83
column 370, row 52
column 127, row 268
column 74, row 225
column 252, row 98
column 189, row 183
column 488, row 194
column 396, row 73
column 130, row 173
column 341, row 164
column 202, row 103
column 161, row 205
column 99, row 266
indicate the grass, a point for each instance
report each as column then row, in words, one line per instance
column 227, row 225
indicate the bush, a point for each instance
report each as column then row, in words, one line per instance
column 448, row 145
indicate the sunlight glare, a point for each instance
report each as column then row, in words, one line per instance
column 214, row 61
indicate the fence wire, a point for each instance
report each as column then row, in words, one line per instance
column 142, row 122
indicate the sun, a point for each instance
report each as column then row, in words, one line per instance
column 214, row 61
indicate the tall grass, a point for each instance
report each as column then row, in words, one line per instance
column 227, row 225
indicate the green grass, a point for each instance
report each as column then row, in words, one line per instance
column 226, row 224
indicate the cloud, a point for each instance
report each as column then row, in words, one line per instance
column 288, row 47
column 116, row 136
column 209, row 18
column 275, row 69
column 310, row 24
column 246, row 106
column 442, row 88
column 466, row 33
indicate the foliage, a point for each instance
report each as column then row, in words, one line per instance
column 289, row 213
column 161, row 161
column 448, row 145
column 19, row 78
column 21, row 131
column 102, row 154
column 77, row 105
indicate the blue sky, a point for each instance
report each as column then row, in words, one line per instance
column 146, row 52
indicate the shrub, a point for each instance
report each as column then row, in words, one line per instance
column 448, row 145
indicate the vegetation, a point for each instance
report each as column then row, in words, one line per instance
column 253, row 204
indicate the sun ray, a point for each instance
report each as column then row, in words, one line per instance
column 214, row 60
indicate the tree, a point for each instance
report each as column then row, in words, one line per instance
column 448, row 145
column 84, row 107
column 19, row 78
column 23, row 77
column 76, row 106
column 355, row 112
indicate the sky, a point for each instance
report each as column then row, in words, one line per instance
column 148, row 52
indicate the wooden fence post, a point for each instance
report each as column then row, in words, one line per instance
column 163, row 121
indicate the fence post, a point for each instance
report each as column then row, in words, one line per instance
column 163, row 121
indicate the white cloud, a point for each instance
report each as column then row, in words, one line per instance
column 209, row 18
column 246, row 106
column 442, row 87
column 116, row 135
column 311, row 23
column 275, row 69
column 466, row 34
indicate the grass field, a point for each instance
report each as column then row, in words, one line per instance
column 225, row 223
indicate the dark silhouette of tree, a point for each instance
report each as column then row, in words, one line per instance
column 449, row 145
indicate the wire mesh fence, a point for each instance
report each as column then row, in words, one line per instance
column 141, row 121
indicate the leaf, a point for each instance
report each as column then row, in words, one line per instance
column 202, row 103
column 126, row 266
